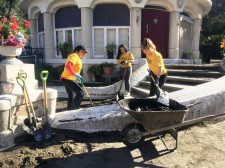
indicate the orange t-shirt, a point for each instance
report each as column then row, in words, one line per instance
column 76, row 65
column 155, row 60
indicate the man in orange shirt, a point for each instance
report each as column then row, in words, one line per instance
column 71, row 76
column 156, row 65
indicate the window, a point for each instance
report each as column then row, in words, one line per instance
column 72, row 36
column 106, row 35
column 68, row 26
column 111, row 24
column 41, row 40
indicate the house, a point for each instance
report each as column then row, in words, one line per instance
column 173, row 25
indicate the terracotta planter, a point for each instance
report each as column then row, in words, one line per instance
column 108, row 70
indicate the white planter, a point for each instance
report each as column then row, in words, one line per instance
column 11, row 52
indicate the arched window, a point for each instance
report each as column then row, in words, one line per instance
column 111, row 24
column 68, row 26
column 41, row 34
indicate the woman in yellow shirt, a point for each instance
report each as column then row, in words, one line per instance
column 156, row 65
column 125, row 58
column 71, row 75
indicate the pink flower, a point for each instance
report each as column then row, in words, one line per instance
column 0, row 28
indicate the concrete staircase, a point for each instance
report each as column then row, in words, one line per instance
column 183, row 76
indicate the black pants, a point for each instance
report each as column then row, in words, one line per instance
column 73, row 88
column 153, row 88
column 127, row 77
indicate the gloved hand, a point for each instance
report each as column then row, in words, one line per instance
column 78, row 77
column 149, row 72
column 156, row 80
column 123, row 62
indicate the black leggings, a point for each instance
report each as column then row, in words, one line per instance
column 162, row 81
column 71, row 88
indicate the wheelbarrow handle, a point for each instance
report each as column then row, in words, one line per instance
column 44, row 75
column 22, row 76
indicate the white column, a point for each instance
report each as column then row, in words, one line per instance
column 135, row 32
column 196, row 37
column 33, row 33
column 49, row 35
column 174, row 35
column 86, row 26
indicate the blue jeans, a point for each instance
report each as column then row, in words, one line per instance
column 127, row 77
column 73, row 88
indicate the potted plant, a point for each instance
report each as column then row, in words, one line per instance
column 12, row 36
column 65, row 49
column 109, row 49
column 188, row 55
column 107, row 68
column 95, row 70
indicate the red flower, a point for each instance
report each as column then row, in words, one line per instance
column 0, row 28
column 13, row 19
column 4, row 20
column 26, row 23
column 14, row 26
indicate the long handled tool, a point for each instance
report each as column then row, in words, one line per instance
column 162, row 97
column 81, row 83
column 119, row 96
column 46, row 128
column 33, row 123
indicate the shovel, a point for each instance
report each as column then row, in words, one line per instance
column 162, row 97
column 32, row 123
column 46, row 128
column 81, row 83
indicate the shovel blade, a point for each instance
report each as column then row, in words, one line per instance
column 47, row 131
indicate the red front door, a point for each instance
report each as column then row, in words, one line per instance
column 155, row 25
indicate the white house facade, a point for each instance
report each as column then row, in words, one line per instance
column 173, row 25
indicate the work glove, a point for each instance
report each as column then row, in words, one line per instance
column 78, row 77
column 123, row 62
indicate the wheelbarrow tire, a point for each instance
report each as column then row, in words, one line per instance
column 130, row 130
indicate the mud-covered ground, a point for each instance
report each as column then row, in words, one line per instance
column 202, row 145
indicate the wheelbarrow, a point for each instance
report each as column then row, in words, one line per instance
column 152, row 118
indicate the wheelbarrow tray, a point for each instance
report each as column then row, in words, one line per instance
column 153, row 120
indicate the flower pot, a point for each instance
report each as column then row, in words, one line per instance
column 108, row 70
column 110, row 55
column 11, row 52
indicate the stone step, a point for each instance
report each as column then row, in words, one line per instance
column 141, row 91
column 213, row 61
column 195, row 73
column 185, row 80
column 188, row 80
column 211, row 67
column 169, row 87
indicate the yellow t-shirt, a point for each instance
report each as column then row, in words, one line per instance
column 76, row 66
column 128, row 56
column 155, row 60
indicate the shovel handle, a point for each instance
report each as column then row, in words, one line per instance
column 20, row 82
column 44, row 75
column 22, row 76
